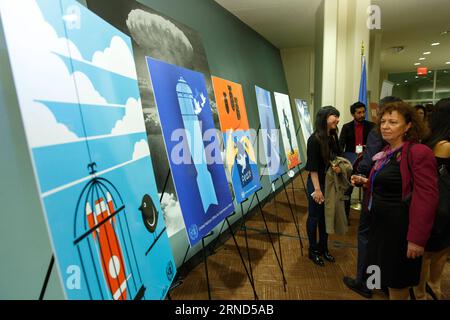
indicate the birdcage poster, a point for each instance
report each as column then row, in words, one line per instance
column 192, row 147
column 240, row 156
column 305, row 118
column 269, row 134
column 287, row 129
column 77, row 89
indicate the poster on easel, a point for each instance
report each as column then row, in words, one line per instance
column 77, row 89
column 269, row 134
column 287, row 129
column 192, row 147
column 305, row 119
column 162, row 37
column 240, row 156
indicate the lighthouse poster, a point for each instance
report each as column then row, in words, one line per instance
column 240, row 157
column 287, row 130
column 162, row 37
column 269, row 135
column 192, row 147
column 77, row 89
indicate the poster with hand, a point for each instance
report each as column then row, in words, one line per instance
column 240, row 156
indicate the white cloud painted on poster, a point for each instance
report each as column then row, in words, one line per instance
column 57, row 83
column 133, row 121
column 141, row 150
column 116, row 58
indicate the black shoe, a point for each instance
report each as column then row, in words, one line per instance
column 385, row 290
column 359, row 288
column 315, row 257
column 327, row 256
column 412, row 295
column 430, row 292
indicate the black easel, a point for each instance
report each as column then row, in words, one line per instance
column 292, row 212
column 280, row 263
column 205, row 260
column 47, row 277
column 249, row 273
column 300, row 170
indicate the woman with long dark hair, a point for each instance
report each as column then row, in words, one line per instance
column 322, row 148
column 438, row 246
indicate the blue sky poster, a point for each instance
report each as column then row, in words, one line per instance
column 192, row 147
column 77, row 89
column 269, row 135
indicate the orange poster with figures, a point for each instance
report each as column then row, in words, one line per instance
column 240, row 157
column 230, row 105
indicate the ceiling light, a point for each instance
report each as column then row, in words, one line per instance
column 406, row 81
column 435, row 44
column 448, row 62
column 417, row 64
column 417, row 77
column 421, row 59
column 428, row 52
column 445, row 32
column 398, row 84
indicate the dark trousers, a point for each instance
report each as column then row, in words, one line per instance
column 363, row 244
column 316, row 220
column 348, row 193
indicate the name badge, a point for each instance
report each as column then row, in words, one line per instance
column 359, row 148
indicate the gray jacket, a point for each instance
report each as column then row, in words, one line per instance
column 335, row 187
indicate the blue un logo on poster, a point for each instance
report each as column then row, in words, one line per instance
column 193, row 232
column 169, row 271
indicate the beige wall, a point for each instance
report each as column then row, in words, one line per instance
column 344, row 30
column 298, row 64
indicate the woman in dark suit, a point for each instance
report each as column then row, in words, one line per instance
column 402, row 199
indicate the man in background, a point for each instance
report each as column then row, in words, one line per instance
column 353, row 139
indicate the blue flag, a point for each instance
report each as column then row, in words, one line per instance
column 363, row 88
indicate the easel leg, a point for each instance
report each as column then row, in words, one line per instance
column 47, row 277
column 270, row 238
column 205, row 260
column 250, row 277
column 303, row 183
column 213, row 248
column 246, row 242
column 279, row 239
column 293, row 215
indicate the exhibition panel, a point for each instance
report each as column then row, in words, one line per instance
column 269, row 135
column 287, row 130
column 240, row 157
column 192, row 147
column 81, row 110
